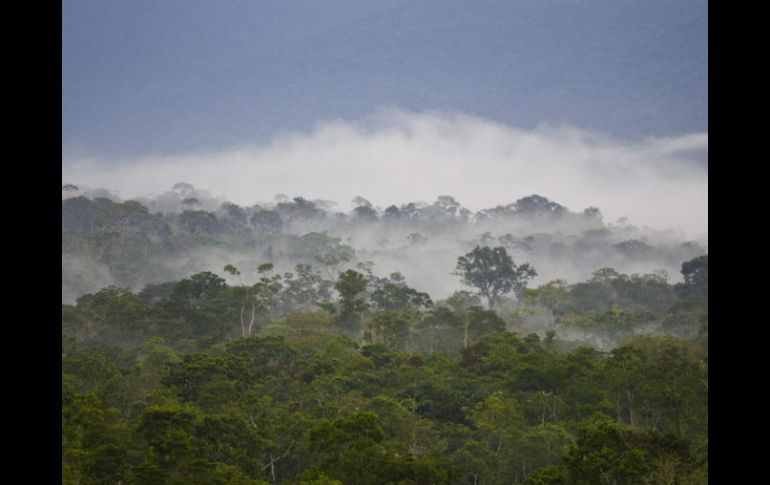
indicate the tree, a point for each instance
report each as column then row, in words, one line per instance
column 304, row 288
column 350, row 285
column 78, row 214
column 364, row 210
column 493, row 273
column 353, row 450
column 554, row 295
column 607, row 452
column 299, row 208
column 169, row 432
column 267, row 221
column 327, row 250
column 94, row 440
column 696, row 278
column 659, row 383
column 398, row 296
column 234, row 215
column 198, row 288
column 478, row 322
column 498, row 418
column 365, row 213
column 391, row 213
column 458, row 321
column 391, row 328
column 196, row 222
column 258, row 297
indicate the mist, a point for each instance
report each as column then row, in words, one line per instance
column 396, row 156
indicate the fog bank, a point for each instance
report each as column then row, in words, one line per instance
column 397, row 156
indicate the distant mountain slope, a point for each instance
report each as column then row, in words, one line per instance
column 174, row 76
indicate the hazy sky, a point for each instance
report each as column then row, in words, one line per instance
column 600, row 102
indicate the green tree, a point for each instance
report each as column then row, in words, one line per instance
column 499, row 419
column 390, row 328
column 258, row 298
column 696, row 278
column 94, row 441
column 607, row 452
column 353, row 450
column 602, row 455
column 304, row 288
column 350, row 285
column 493, row 273
column 398, row 296
column 554, row 295
column 169, row 431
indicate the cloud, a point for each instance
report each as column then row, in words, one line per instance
column 397, row 157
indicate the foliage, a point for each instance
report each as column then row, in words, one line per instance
column 493, row 273
column 385, row 386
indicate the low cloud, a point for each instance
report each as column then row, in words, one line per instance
column 396, row 157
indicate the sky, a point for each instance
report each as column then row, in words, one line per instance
column 600, row 102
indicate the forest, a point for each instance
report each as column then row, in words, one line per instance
column 107, row 240
column 208, row 343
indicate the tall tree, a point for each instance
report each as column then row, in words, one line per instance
column 696, row 278
column 258, row 297
column 350, row 285
column 493, row 273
